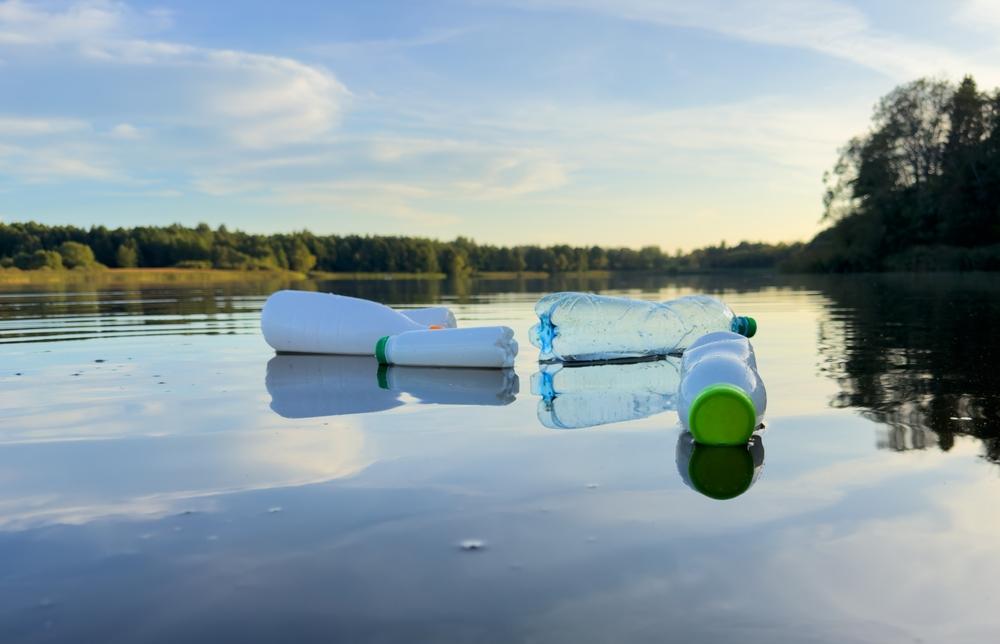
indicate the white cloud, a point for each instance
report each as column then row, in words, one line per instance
column 256, row 100
column 126, row 131
column 17, row 126
column 980, row 15
column 826, row 26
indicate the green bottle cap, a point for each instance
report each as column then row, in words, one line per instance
column 744, row 325
column 380, row 350
column 722, row 414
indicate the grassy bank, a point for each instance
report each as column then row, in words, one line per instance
column 140, row 276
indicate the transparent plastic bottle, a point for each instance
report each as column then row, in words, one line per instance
column 583, row 326
column 721, row 398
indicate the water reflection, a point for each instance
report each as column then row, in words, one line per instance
column 311, row 386
column 719, row 472
column 578, row 396
column 918, row 354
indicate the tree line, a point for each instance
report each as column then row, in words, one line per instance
column 32, row 246
column 920, row 190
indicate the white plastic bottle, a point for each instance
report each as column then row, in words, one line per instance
column 583, row 326
column 308, row 322
column 721, row 398
column 573, row 397
column 490, row 347
column 431, row 316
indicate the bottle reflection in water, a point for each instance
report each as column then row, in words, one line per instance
column 719, row 472
column 574, row 397
column 311, row 386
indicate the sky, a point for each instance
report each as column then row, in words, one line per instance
column 611, row 122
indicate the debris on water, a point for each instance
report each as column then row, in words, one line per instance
column 100, row 360
column 276, row 509
column 187, row 513
column 964, row 418
column 472, row 545
column 18, row 374
column 161, row 383
column 592, row 486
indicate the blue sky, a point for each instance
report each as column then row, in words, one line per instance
column 616, row 122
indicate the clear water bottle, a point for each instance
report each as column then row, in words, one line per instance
column 583, row 326
column 721, row 398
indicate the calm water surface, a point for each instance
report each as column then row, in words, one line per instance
column 165, row 478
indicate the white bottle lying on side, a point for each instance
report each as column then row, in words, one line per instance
column 486, row 346
column 308, row 322
column 431, row 316
column 721, row 399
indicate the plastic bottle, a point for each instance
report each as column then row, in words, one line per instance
column 311, row 386
column 721, row 398
column 308, row 322
column 577, row 396
column 719, row 472
column 431, row 316
column 490, row 347
column 583, row 326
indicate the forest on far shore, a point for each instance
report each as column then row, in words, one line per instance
column 34, row 246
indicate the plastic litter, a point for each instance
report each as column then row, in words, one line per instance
column 485, row 347
column 583, row 326
column 308, row 322
column 721, row 398
column 431, row 316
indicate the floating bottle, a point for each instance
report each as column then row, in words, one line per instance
column 583, row 326
column 490, row 347
column 432, row 316
column 309, row 322
column 721, row 398
column 577, row 396
column 311, row 386
column 719, row 472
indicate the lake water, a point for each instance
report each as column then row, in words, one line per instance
column 165, row 478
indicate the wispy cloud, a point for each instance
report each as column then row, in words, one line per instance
column 826, row 26
column 18, row 126
column 257, row 100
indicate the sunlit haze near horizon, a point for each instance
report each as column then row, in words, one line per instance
column 612, row 122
